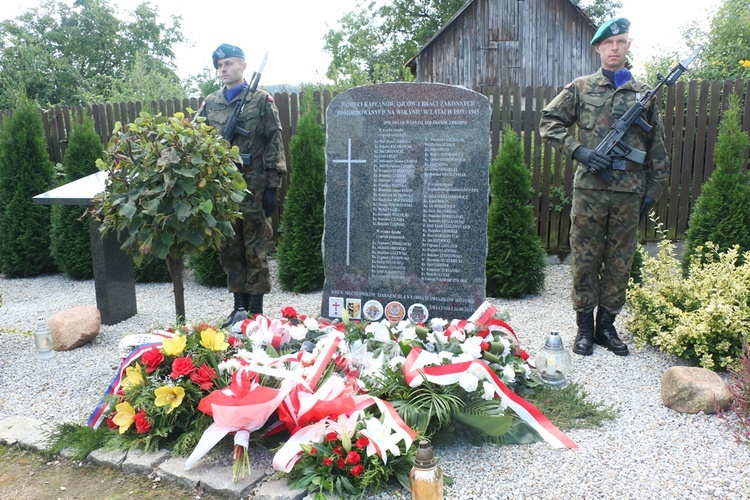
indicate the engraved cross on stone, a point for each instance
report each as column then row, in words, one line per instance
column 349, row 162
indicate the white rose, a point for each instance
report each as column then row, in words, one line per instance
column 489, row 390
column 468, row 381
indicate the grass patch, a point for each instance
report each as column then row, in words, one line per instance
column 570, row 408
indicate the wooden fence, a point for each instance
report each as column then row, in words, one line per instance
column 691, row 112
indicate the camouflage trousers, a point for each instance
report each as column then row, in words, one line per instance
column 244, row 257
column 603, row 239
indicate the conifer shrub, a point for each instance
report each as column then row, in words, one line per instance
column 70, row 238
column 299, row 251
column 722, row 211
column 701, row 317
column 25, row 171
column 207, row 269
column 515, row 256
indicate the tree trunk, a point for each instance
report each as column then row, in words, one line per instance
column 176, row 267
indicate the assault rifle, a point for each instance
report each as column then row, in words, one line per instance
column 231, row 128
column 613, row 146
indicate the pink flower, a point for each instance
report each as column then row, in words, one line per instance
column 151, row 359
column 204, row 377
column 182, row 366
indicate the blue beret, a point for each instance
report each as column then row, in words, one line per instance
column 611, row 28
column 226, row 50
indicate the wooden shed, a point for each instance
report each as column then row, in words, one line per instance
column 509, row 43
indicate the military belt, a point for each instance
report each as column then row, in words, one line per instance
column 630, row 166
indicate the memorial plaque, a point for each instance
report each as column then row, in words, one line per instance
column 407, row 186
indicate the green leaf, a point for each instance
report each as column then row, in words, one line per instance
column 183, row 210
column 206, row 206
column 491, row 425
column 128, row 210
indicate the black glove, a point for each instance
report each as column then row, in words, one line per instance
column 595, row 162
column 646, row 205
column 269, row 201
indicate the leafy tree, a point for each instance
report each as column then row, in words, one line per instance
column 70, row 238
column 58, row 53
column 299, row 251
column 599, row 10
column 722, row 211
column 515, row 257
column 173, row 190
column 723, row 54
column 373, row 43
column 25, row 171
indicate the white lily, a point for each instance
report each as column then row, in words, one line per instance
column 382, row 439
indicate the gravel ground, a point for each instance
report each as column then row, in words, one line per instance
column 649, row 451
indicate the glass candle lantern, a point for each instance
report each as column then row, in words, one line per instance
column 43, row 341
column 553, row 362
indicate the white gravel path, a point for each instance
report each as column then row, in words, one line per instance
column 649, row 451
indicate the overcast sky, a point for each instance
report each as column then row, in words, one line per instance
column 292, row 31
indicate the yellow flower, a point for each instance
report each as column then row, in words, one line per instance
column 169, row 395
column 213, row 340
column 133, row 377
column 124, row 416
column 175, row 345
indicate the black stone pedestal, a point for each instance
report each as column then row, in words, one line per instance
column 114, row 278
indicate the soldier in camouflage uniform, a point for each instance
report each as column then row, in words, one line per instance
column 264, row 166
column 605, row 216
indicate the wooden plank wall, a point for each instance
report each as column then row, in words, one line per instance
column 691, row 130
column 501, row 43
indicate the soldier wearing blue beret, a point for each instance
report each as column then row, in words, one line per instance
column 605, row 215
column 263, row 166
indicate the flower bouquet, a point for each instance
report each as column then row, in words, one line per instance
column 351, row 396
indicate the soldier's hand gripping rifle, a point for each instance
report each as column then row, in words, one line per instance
column 231, row 128
column 613, row 145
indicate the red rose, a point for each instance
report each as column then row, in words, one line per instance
column 110, row 420
column 152, row 358
column 142, row 426
column 289, row 312
column 361, row 442
column 234, row 341
column 339, row 450
column 328, row 461
column 182, row 366
column 340, row 463
column 332, row 436
column 204, row 377
column 523, row 354
column 357, row 470
column 353, row 458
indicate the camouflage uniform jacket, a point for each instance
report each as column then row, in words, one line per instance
column 594, row 104
column 264, row 144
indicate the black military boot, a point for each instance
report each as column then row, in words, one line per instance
column 584, row 343
column 254, row 304
column 606, row 335
column 240, row 306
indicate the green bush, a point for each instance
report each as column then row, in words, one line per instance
column 70, row 238
column 207, row 269
column 25, row 171
column 152, row 271
column 299, row 252
column 515, row 256
column 702, row 317
column 722, row 211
